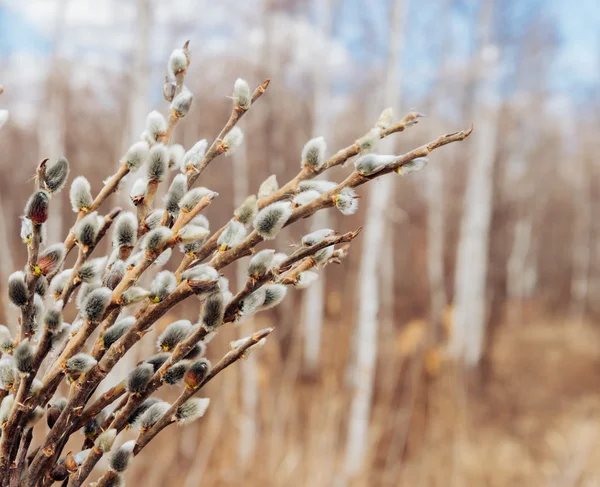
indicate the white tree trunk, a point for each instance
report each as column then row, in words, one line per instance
column 315, row 296
column 435, row 243
column 369, row 291
column 472, row 259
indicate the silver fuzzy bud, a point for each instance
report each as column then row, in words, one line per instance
column 178, row 62
column 6, row 408
column 368, row 142
column 17, row 289
column 176, row 191
column 313, row 153
column 116, row 331
column 136, row 155
column 305, row 279
column 95, row 304
column 372, row 163
column 412, row 166
column 346, row 201
column 271, row 219
column 58, row 283
column 121, row 458
column 232, row 235
column 268, row 187
column 158, row 163
column 213, row 309
column 58, row 336
column 315, row 237
column 193, row 157
column 176, row 155
column 386, row 118
column 153, row 415
column 105, row 440
column 193, row 197
column 241, row 94
column 138, row 191
column 246, row 212
column 174, row 334
column 23, row 356
column 86, row 230
column 191, row 410
column 80, row 194
column 261, row 263
column 181, row 103
column 156, row 125
column 202, row 272
column 305, row 197
column 54, row 318
column 156, row 239
column 8, row 372
column 157, row 360
column 7, row 342
column 174, row 374
column 80, row 364
column 133, row 295
column 253, row 302
column 163, row 284
column 163, row 258
column 233, row 140
column 125, row 230
column 56, row 175
column 154, row 219
column 139, row 378
column 274, row 294
column 320, row 185
column 192, row 233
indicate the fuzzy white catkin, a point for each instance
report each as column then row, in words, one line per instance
column 182, row 103
column 320, row 185
column 346, row 201
column 176, row 191
column 268, row 187
column 191, row 410
column 176, row 155
column 192, row 158
column 56, row 175
column 191, row 233
column 136, row 155
column 158, row 162
column 212, row 311
column 178, row 62
column 261, row 263
column 305, row 279
column 156, row 239
column 412, row 166
column 193, row 197
column 233, row 140
column 274, row 294
column 232, row 235
column 124, row 233
column 156, row 125
column 138, row 190
column 372, row 163
column 241, row 93
column 313, row 153
column 386, row 118
column 315, row 237
column 271, row 219
column 246, row 212
column 368, row 142
column 80, row 194
column 305, row 197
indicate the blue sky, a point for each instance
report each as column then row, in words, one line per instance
column 575, row 67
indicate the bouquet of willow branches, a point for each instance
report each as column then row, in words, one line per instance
column 41, row 350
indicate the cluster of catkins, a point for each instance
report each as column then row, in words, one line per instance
column 104, row 287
